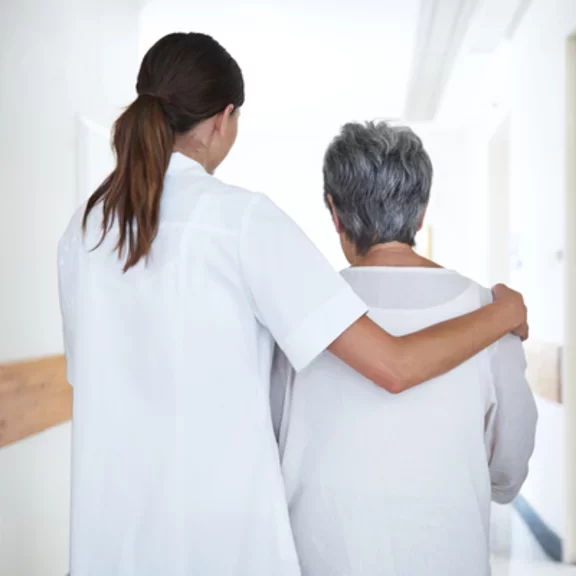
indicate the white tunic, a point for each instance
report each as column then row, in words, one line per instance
column 384, row 485
column 175, row 466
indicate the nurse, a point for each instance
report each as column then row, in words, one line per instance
column 174, row 288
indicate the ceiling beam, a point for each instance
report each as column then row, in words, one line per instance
column 446, row 29
column 442, row 26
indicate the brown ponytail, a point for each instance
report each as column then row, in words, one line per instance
column 183, row 79
column 143, row 143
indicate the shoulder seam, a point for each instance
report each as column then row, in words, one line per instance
column 244, row 224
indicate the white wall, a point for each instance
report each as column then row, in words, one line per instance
column 537, row 158
column 35, row 505
column 54, row 64
column 545, row 488
column 476, row 101
column 458, row 208
column 58, row 60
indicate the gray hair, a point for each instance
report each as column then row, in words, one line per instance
column 379, row 178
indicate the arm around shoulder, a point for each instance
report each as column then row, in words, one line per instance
column 399, row 363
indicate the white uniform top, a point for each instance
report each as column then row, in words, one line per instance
column 384, row 485
column 175, row 465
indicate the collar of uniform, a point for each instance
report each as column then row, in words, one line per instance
column 181, row 163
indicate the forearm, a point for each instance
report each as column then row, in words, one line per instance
column 399, row 363
column 440, row 348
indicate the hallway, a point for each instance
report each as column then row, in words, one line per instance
column 461, row 73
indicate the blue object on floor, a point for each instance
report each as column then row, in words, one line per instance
column 550, row 541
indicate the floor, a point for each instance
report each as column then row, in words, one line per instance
column 516, row 552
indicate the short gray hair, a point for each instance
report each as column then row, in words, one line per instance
column 379, row 178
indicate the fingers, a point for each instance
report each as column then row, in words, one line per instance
column 523, row 332
column 502, row 292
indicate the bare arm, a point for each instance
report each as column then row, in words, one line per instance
column 399, row 363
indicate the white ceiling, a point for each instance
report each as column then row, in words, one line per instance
column 456, row 39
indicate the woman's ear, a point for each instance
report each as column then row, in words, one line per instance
column 335, row 217
column 223, row 119
column 421, row 225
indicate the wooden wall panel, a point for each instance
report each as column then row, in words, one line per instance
column 544, row 372
column 34, row 396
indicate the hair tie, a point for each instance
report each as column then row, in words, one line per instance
column 156, row 97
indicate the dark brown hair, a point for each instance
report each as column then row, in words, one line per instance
column 183, row 80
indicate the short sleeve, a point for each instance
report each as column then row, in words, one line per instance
column 296, row 294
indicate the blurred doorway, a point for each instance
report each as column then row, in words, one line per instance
column 569, row 355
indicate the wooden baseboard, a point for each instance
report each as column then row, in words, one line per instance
column 34, row 396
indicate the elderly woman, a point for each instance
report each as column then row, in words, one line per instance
column 399, row 485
